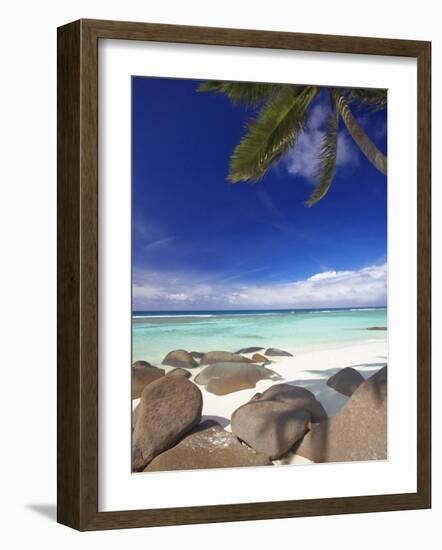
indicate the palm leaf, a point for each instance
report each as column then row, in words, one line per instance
column 327, row 160
column 247, row 93
column 271, row 133
column 373, row 99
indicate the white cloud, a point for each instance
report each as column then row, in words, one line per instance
column 347, row 153
column 363, row 287
column 302, row 160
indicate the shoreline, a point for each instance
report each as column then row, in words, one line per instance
column 310, row 367
column 295, row 350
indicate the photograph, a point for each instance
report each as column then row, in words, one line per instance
column 259, row 274
column 221, row 237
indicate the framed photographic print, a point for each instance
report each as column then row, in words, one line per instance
column 243, row 252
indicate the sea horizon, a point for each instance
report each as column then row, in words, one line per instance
column 174, row 312
column 157, row 332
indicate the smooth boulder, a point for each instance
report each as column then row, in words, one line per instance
column 224, row 386
column 142, row 376
column 357, row 432
column 213, row 357
column 346, row 381
column 270, row 427
column 169, row 408
column 275, row 352
column 207, row 446
column 141, row 364
column 179, row 372
column 297, row 397
column 180, row 358
column 224, row 378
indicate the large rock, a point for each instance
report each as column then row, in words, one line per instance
column 143, row 376
column 141, row 364
column 169, row 408
column 207, row 446
column 180, row 358
column 377, row 328
column 252, row 349
column 213, row 357
column 275, row 352
column 223, row 378
column 357, row 432
column 346, row 381
column 297, row 397
column 230, row 384
column 270, row 427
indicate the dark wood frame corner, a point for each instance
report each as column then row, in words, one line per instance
column 78, row 274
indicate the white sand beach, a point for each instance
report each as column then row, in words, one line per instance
column 310, row 368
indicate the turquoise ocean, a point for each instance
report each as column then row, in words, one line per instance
column 155, row 333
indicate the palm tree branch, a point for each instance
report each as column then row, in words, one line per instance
column 372, row 99
column 327, row 160
column 249, row 94
column 271, row 133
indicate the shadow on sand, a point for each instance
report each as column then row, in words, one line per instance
column 331, row 400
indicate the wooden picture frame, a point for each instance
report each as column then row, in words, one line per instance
column 78, row 274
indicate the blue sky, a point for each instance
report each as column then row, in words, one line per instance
column 200, row 242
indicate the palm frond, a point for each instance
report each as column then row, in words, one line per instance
column 246, row 93
column 271, row 133
column 327, row 160
column 372, row 99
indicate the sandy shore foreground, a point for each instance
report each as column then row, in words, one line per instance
column 309, row 368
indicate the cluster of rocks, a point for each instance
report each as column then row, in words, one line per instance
column 168, row 433
column 192, row 359
column 225, row 371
